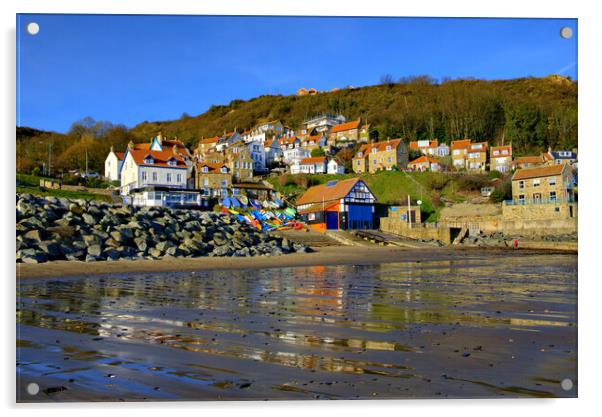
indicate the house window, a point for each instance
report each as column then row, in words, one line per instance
column 552, row 181
column 224, row 183
column 179, row 178
column 205, row 182
column 359, row 154
column 521, row 198
column 389, row 159
column 388, row 147
column 154, row 177
column 552, row 195
column 148, row 161
column 205, row 169
column 143, row 176
column 536, row 183
column 224, row 170
column 374, row 161
column 358, row 162
column 521, row 185
column 168, row 177
column 374, row 150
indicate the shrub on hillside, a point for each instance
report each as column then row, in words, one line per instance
column 472, row 182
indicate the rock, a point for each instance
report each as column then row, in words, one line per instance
column 76, row 208
column 35, row 235
column 88, row 219
column 94, row 250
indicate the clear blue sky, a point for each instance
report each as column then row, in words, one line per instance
column 127, row 69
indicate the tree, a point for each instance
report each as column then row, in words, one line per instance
column 317, row 152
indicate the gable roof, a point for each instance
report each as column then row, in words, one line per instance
column 432, row 143
column 209, row 141
column 324, row 192
column 535, row 159
column 460, row 144
column 346, row 126
column 422, row 159
column 119, row 155
column 160, row 157
column 500, row 149
column 314, row 160
column 536, row 172
column 214, row 168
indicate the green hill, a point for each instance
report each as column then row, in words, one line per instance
column 533, row 113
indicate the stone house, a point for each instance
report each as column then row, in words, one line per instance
column 387, row 155
column 239, row 161
column 543, row 184
column 359, row 162
column 348, row 132
column 500, row 158
column 477, row 157
column 314, row 142
column 206, row 145
column 214, row 179
column 459, row 153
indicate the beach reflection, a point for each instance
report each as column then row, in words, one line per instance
column 407, row 321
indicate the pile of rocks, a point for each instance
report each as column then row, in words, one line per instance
column 497, row 239
column 53, row 228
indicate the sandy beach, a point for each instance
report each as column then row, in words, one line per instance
column 327, row 255
column 450, row 324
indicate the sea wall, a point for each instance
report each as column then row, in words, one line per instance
column 420, row 231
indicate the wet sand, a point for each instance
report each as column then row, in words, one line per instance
column 460, row 324
column 327, row 255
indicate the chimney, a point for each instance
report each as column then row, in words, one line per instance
column 131, row 145
column 112, row 149
column 160, row 138
column 175, row 149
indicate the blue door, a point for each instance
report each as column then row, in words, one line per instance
column 332, row 220
column 359, row 217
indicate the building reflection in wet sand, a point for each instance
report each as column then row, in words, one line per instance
column 386, row 330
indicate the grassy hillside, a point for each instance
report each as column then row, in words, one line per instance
column 31, row 184
column 393, row 187
column 532, row 113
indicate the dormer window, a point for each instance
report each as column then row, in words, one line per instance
column 205, row 169
column 149, row 160
column 172, row 162
column 374, row 150
column 388, row 147
column 224, row 170
column 360, row 154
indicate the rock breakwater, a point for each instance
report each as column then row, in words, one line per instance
column 51, row 228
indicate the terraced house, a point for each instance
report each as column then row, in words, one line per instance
column 379, row 156
column 500, row 158
column 214, row 179
column 469, row 155
column 348, row 132
column 543, row 184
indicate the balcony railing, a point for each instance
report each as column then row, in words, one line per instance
column 532, row 201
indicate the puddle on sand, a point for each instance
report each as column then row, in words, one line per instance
column 387, row 330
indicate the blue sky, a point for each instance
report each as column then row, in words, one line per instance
column 127, row 69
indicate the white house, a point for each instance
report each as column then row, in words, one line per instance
column 158, row 174
column 315, row 165
column 113, row 164
column 293, row 155
column 334, row 167
column 257, row 153
column 273, row 151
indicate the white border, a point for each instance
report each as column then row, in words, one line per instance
column 590, row 71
